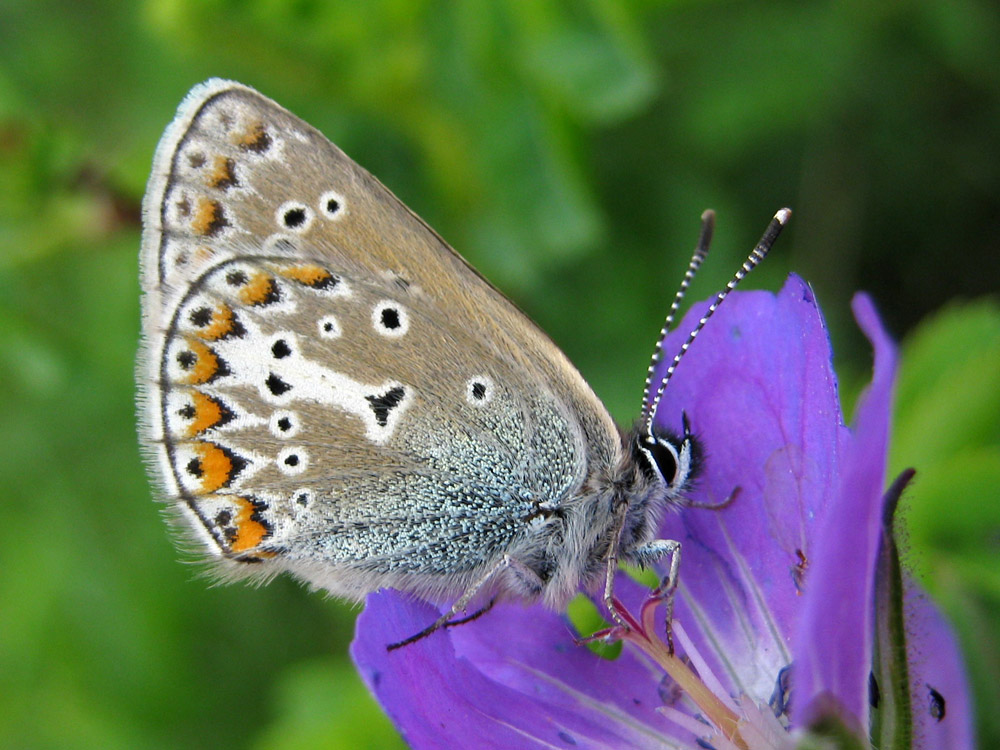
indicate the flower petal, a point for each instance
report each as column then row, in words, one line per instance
column 761, row 395
column 760, row 392
column 834, row 639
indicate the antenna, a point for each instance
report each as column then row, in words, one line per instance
column 753, row 260
column 700, row 253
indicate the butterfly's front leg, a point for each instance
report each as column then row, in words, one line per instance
column 645, row 556
column 653, row 552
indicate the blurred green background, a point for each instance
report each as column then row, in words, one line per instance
column 567, row 149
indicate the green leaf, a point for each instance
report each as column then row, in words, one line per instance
column 322, row 704
column 892, row 718
column 586, row 619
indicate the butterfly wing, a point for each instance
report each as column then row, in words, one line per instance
column 325, row 386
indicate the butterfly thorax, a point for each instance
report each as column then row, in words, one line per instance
column 618, row 508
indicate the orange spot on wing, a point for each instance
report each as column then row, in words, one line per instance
column 250, row 529
column 217, row 466
column 259, row 290
column 223, row 174
column 310, row 275
column 209, row 218
column 223, row 323
column 206, row 364
column 254, row 138
column 207, row 413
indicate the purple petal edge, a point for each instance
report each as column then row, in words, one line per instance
column 833, row 643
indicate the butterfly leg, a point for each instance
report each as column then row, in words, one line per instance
column 474, row 616
column 609, row 590
column 612, row 567
column 667, row 588
column 523, row 573
column 645, row 556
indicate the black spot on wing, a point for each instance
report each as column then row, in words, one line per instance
column 381, row 405
column 276, row 385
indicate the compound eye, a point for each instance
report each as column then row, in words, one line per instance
column 658, row 457
column 664, row 458
column 668, row 458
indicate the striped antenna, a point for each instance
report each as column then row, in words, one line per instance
column 700, row 253
column 753, row 260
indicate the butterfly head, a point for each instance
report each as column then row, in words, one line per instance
column 668, row 460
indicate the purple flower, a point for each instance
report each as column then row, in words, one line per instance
column 792, row 614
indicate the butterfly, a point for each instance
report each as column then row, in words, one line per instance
column 327, row 389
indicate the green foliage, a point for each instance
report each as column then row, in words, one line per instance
column 567, row 149
column 323, row 704
column 586, row 620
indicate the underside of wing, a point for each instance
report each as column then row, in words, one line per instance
column 325, row 384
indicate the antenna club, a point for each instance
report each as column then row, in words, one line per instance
column 783, row 216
